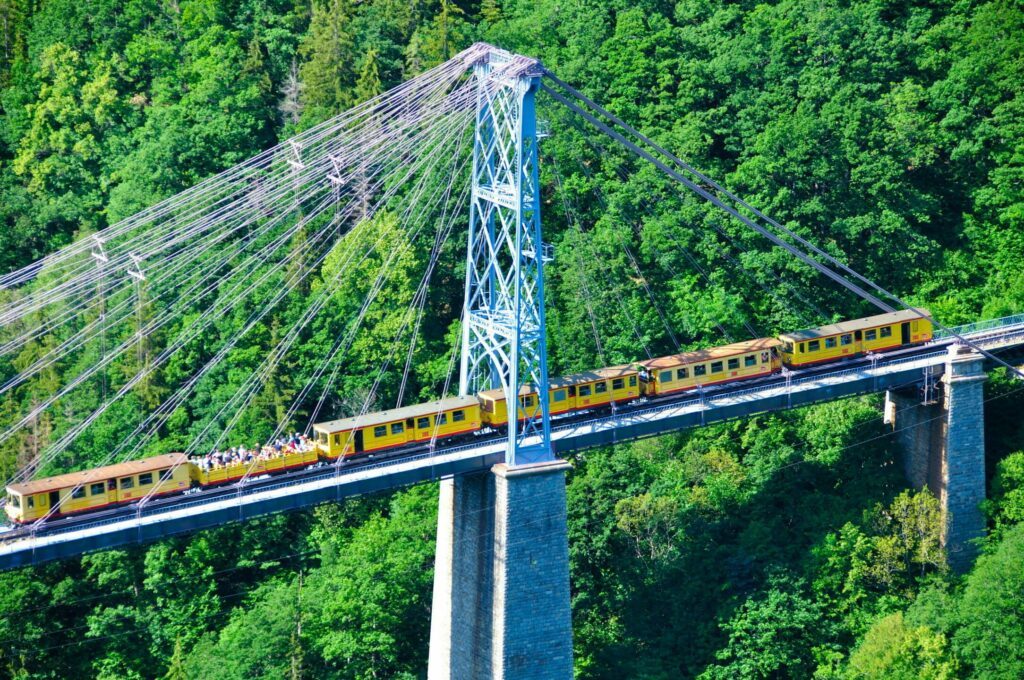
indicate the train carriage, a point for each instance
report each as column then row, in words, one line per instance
column 88, row 490
column 855, row 338
column 703, row 367
column 91, row 490
column 576, row 392
column 371, row 432
column 258, row 466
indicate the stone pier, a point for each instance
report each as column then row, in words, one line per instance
column 501, row 578
column 944, row 449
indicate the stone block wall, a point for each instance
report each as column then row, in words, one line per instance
column 963, row 465
column 501, row 579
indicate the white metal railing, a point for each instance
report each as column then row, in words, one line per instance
column 979, row 326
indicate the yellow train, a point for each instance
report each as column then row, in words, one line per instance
column 458, row 417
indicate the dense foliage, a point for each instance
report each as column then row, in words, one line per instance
column 890, row 133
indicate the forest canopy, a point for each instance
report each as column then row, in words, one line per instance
column 890, row 134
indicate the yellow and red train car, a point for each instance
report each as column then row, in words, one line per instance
column 382, row 430
column 447, row 419
column 577, row 392
column 702, row 367
column 90, row 490
column 848, row 339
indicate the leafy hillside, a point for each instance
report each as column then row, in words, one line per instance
column 889, row 133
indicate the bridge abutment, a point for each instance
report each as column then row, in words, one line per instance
column 501, row 581
column 944, row 449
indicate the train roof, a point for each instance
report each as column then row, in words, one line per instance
column 886, row 319
column 698, row 355
column 71, row 479
column 396, row 414
column 567, row 380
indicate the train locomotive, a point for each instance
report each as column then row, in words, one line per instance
column 462, row 418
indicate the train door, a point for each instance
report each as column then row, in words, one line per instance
column 359, row 441
column 54, row 499
column 905, row 333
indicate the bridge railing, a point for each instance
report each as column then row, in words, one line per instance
column 980, row 326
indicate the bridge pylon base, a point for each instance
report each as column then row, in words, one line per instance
column 501, row 581
column 944, row 449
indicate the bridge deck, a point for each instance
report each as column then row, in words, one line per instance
column 211, row 508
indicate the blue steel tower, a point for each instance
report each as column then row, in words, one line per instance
column 503, row 335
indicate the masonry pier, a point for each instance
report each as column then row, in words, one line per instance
column 943, row 443
column 501, row 580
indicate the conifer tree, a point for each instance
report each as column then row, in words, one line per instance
column 368, row 86
column 328, row 50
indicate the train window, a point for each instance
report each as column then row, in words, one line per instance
column 31, row 502
column 337, row 440
column 559, row 395
column 830, row 343
column 458, row 416
column 488, row 406
column 734, row 364
column 442, row 419
column 584, row 390
column 632, row 381
column 423, row 423
column 846, row 339
column 528, row 400
column 813, row 346
column 716, row 366
column 97, row 489
column 145, row 479
column 166, row 474
column 802, row 348
column 618, row 384
column 397, row 428
column 885, row 331
column 682, row 373
column 14, row 500
column 111, row 485
column 78, row 492
column 127, row 483
column 380, row 431
column 764, row 357
column 871, row 334
column 787, row 347
column 601, row 387
column 750, row 360
column 322, row 436
column 666, row 376
column 699, row 369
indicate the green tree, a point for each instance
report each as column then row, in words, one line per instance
column 328, row 52
column 990, row 636
column 63, row 151
column 368, row 85
column 772, row 634
column 909, row 541
column 893, row 650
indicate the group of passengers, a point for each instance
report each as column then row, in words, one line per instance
column 240, row 455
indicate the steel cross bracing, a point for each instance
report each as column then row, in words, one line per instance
column 503, row 335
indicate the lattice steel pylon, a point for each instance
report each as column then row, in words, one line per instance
column 503, row 334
